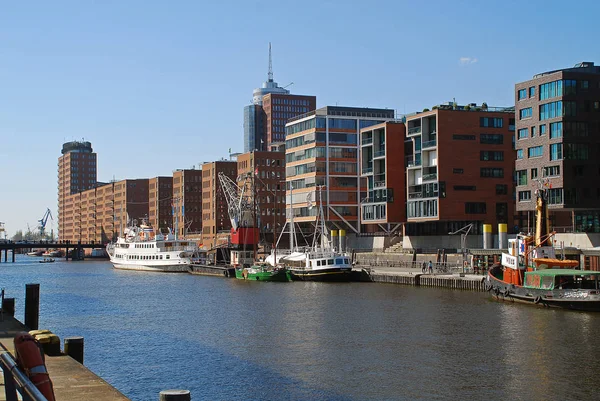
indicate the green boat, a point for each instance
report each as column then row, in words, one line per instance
column 263, row 273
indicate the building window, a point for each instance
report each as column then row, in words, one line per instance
column 489, row 155
column 584, row 85
column 534, row 173
column 501, row 189
column 570, row 86
column 524, row 196
column 457, row 171
column 490, row 122
column 475, row 208
column 578, row 171
column 536, row 151
column 525, row 113
column 491, row 139
column 461, row 137
column 570, row 108
column 521, row 177
column 522, row 94
column 556, row 151
column 555, row 196
column 491, row 172
column 551, row 89
column 576, row 151
column 523, row 133
column 532, row 91
column 551, row 110
column 533, row 129
column 576, row 128
column 542, row 129
column 519, row 153
column 555, row 130
column 465, row 188
column 551, row 171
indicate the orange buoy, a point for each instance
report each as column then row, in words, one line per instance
column 30, row 358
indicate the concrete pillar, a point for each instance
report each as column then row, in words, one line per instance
column 175, row 395
column 74, row 348
column 502, row 236
column 342, row 240
column 487, row 236
column 32, row 306
column 334, row 238
column 8, row 306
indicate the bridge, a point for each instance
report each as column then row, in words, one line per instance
column 66, row 245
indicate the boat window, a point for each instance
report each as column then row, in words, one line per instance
column 160, row 256
column 168, row 257
column 329, row 261
column 339, row 261
column 346, row 261
column 318, row 263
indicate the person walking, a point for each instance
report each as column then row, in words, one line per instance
column 424, row 267
column 430, row 267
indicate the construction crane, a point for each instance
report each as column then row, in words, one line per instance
column 42, row 222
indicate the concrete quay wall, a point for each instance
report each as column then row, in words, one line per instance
column 468, row 282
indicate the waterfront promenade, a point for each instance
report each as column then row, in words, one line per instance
column 72, row 381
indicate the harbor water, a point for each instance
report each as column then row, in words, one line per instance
column 228, row 339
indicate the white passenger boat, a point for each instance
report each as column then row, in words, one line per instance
column 141, row 249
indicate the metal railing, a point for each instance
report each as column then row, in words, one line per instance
column 430, row 177
column 379, row 153
column 414, row 130
column 366, row 141
column 379, row 184
column 367, row 170
column 429, row 144
column 15, row 380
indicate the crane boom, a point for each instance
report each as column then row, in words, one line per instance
column 238, row 204
column 44, row 220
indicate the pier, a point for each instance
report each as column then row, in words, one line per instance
column 66, row 245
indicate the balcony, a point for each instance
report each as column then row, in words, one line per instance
column 415, row 195
column 367, row 170
column 414, row 130
column 379, row 184
column 429, row 144
column 413, row 162
column 379, row 153
column 430, row 177
column 366, row 140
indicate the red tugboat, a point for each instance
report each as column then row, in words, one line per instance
column 531, row 272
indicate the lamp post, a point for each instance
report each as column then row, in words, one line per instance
column 464, row 231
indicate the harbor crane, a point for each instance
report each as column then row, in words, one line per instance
column 42, row 222
column 239, row 202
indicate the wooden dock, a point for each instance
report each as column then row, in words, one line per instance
column 72, row 381
column 456, row 281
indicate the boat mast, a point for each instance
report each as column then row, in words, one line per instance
column 322, row 219
column 292, row 229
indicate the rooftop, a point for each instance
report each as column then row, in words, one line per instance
column 587, row 67
column 342, row 111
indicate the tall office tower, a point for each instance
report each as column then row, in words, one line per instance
column 160, row 195
column 558, row 145
column 321, row 149
column 187, row 201
column 272, row 105
column 76, row 173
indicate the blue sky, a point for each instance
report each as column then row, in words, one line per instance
column 161, row 85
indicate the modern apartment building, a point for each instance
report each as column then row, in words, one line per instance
column 459, row 168
column 558, row 145
column 187, row 201
column 266, row 170
column 215, row 217
column 272, row 105
column 76, row 173
column 160, row 195
column 322, row 150
column 382, row 163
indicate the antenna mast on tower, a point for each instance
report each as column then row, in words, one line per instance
column 270, row 65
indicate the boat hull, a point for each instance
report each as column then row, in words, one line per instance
column 564, row 299
column 334, row 274
column 177, row 268
column 281, row 275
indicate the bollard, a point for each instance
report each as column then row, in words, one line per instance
column 50, row 343
column 74, row 348
column 32, row 306
column 8, row 306
column 175, row 395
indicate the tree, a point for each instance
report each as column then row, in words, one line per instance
column 18, row 236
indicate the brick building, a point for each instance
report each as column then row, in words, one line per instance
column 558, row 141
column 382, row 164
column 278, row 108
column 215, row 217
column 160, row 195
column 187, row 201
column 266, row 170
column 459, row 169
